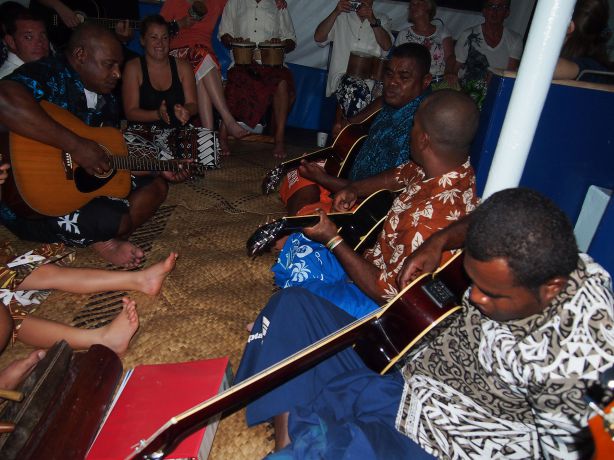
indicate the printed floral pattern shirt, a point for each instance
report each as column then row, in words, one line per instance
column 424, row 207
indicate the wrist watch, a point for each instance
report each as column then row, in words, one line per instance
column 376, row 23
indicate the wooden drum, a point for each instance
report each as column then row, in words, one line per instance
column 272, row 54
column 243, row 52
column 359, row 65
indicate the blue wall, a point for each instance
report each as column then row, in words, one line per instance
column 573, row 148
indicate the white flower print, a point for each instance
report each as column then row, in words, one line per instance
column 453, row 215
column 70, row 222
column 299, row 271
column 446, row 179
column 448, row 195
column 417, row 240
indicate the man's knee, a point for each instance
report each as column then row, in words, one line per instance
column 302, row 197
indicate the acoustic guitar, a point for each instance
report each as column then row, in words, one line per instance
column 359, row 228
column 85, row 10
column 380, row 338
column 600, row 398
column 339, row 156
column 45, row 181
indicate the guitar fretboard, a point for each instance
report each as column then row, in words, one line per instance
column 104, row 22
column 149, row 164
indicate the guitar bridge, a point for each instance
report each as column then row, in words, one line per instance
column 67, row 163
column 439, row 293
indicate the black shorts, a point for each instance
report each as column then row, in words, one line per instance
column 98, row 220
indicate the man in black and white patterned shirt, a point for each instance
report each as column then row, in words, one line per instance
column 503, row 378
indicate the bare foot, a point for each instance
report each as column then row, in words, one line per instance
column 249, row 327
column 279, row 151
column 119, row 252
column 117, row 334
column 224, row 149
column 151, row 278
column 236, row 131
column 16, row 372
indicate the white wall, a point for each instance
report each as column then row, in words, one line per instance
column 307, row 14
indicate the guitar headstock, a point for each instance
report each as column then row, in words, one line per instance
column 264, row 237
column 272, row 179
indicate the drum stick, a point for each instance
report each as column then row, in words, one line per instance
column 12, row 395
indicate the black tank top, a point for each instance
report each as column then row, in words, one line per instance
column 150, row 98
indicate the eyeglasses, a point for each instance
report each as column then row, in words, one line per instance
column 494, row 7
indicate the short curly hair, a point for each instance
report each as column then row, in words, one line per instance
column 527, row 230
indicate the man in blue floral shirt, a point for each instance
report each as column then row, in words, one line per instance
column 80, row 81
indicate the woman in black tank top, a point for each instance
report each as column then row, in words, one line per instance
column 158, row 89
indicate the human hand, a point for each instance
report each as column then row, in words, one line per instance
column 344, row 199
column 281, row 4
column 425, row 259
column 123, row 31
column 186, row 22
column 227, row 40
column 4, row 172
column 68, row 16
column 323, row 231
column 312, row 171
column 163, row 113
column 91, row 157
column 182, row 114
column 344, row 7
column 365, row 12
column 274, row 40
column 178, row 176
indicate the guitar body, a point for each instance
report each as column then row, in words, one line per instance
column 359, row 228
column 339, row 156
column 49, row 185
column 602, row 432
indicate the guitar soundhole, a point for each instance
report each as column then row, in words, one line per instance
column 439, row 293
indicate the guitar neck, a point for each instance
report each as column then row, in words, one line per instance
column 297, row 223
column 147, row 164
column 313, row 156
column 108, row 23
column 169, row 435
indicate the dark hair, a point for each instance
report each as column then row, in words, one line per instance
column 12, row 14
column 415, row 51
column 150, row 20
column 527, row 230
column 432, row 8
column 86, row 34
column 591, row 33
column 451, row 120
column 484, row 2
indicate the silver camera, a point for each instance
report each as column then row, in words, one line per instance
column 354, row 5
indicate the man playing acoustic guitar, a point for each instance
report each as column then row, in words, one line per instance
column 502, row 378
column 406, row 79
column 438, row 187
column 80, row 81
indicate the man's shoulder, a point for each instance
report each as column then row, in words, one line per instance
column 51, row 65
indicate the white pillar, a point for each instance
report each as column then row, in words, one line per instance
column 537, row 65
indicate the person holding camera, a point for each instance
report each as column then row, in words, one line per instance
column 354, row 27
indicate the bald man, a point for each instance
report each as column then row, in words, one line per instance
column 443, row 129
column 81, row 81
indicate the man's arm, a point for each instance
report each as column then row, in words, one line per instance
column 427, row 256
column 323, row 29
column 566, row 70
column 20, row 113
column 68, row 16
column 361, row 272
column 345, row 199
column 382, row 37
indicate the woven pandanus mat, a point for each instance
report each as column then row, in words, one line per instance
column 214, row 291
